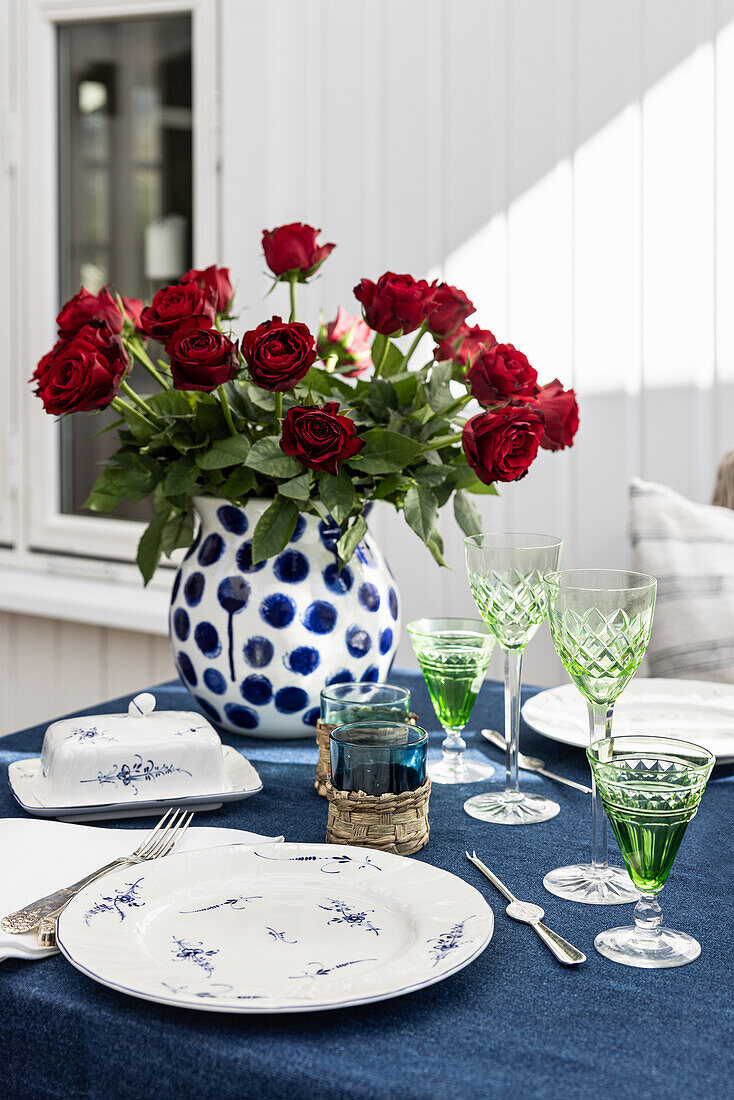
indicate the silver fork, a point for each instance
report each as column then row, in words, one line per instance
column 156, row 845
column 157, row 842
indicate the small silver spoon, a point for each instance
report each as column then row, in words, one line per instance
column 528, row 913
column 532, row 763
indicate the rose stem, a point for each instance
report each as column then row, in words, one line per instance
column 138, row 401
column 292, row 279
column 226, row 410
column 135, row 348
column 123, row 408
column 418, row 336
column 278, row 405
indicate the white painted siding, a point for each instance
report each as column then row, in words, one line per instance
column 570, row 163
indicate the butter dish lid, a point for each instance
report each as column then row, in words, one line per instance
column 141, row 725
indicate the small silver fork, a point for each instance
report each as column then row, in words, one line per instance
column 159, row 842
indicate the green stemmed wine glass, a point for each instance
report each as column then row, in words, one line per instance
column 600, row 622
column 650, row 788
column 454, row 655
column 506, row 578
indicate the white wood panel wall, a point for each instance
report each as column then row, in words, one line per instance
column 570, row 163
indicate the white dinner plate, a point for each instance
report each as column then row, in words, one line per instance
column 693, row 710
column 311, row 927
column 242, row 777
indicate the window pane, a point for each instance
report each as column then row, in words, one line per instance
column 124, row 165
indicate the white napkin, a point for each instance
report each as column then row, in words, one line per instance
column 38, row 857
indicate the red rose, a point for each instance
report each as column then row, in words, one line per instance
column 173, row 305
column 133, row 308
column 88, row 309
column 83, row 373
column 501, row 445
column 560, row 412
column 278, row 354
column 292, row 249
column 214, row 279
column 395, row 303
column 319, row 437
column 201, row 358
column 465, row 344
column 348, row 338
column 449, row 308
column 499, row 373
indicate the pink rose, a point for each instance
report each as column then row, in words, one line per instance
column 348, row 338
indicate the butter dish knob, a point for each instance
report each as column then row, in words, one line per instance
column 142, row 705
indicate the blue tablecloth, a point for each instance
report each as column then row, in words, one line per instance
column 514, row 1023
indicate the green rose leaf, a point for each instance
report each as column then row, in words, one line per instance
column 181, row 477
column 421, row 511
column 337, row 494
column 149, row 547
column 178, row 532
column 267, row 457
column 466, row 514
column 240, row 482
column 298, row 488
column 385, row 452
column 351, row 539
column 232, row 451
column 274, row 529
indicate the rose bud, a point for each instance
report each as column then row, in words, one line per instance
column 81, row 374
column 348, row 338
column 216, row 280
column 173, row 305
column 133, row 308
column 560, row 412
column 500, row 373
column 88, row 309
column 292, row 250
column 201, row 358
column 395, row 303
column 465, row 344
column 319, row 437
column 449, row 308
column 501, row 445
column 278, row 354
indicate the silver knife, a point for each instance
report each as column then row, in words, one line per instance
column 527, row 913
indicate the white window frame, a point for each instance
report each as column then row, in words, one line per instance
column 96, row 547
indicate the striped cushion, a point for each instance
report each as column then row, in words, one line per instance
column 690, row 549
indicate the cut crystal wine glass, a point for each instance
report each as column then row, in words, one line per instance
column 600, row 621
column 650, row 788
column 453, row 655
column 506, row 579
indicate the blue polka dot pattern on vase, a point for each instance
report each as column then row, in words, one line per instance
column 392, row 599
column 370, row 675
column 215, row 681
column 343, row 676
column 244, row 559
column 207, row 639
column 186, row 669
column 212, row 549
column 194, row 589
column 311, row 717
column 320, row 617
column 386, row 637
column 330, row 533
column 365, row 555
column 291, row 567
column 303, row 660
column 358, row 641
column 299, row 529
column 278, row 610
column 369, row 597
column 256, row 689
column 242, row 717
column 290, row 699
column 232, row 519
column 233, row 594
column 181, row 624
column 209, row 710
column 338, row 580
column 258, row 651
column 176, row 586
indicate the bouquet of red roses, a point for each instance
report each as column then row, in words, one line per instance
column 323, row 424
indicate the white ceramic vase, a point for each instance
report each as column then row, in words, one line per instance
column 256, row 644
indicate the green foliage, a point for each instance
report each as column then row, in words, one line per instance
column 274, row 529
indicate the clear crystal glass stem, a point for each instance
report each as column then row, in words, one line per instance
column 648, row 915
column 600, row 725
column 513, row 673
column 453, row 747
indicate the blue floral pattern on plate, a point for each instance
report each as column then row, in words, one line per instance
column 347, row 914
column 132, row 774
column 195, row 953
column 441, row 946
column 124, row 897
